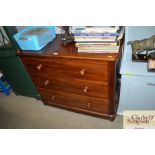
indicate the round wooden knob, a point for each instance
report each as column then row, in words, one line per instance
column 39, row 67
column 85, row 89
column 53, row 97
column 18, row 51
column 82, row 72
column 88, row 104
column 46, row 83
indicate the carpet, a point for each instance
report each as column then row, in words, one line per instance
column 20, row 112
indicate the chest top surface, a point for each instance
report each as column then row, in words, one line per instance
column 56, row 49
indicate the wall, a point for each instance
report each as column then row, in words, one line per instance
column 135, row 33
column 135, row 93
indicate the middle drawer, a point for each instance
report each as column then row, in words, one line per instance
column 77, row 86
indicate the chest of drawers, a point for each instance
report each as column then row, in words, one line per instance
column 79, row 82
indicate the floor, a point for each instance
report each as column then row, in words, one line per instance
column 19, row 112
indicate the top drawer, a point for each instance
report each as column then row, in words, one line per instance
column 67, row 67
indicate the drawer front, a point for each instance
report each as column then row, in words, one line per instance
column 74, row 101
column 81, row 87
column 68, row 68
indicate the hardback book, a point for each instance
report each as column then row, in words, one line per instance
column 102, row 45
column 111, row 38
column 96, row 34
column 97, row 29
column 95, row 43
column 105, row 37
column 99, row 48
column 97, row 51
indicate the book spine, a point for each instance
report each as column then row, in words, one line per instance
column 98, row 51
column 95, row 38
column 96, row 42
column 96, row 34
column 99, row 40
column 98, row 48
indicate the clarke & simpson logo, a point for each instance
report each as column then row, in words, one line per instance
column 139, row 119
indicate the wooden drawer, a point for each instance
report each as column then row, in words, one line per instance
column 74, row 101
column 81, row 87
column 67, row 68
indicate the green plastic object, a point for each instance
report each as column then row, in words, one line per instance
column 14, row 70
column 17, row 76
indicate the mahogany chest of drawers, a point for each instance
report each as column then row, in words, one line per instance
column 80, row 82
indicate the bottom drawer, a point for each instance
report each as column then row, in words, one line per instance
column 74, row 101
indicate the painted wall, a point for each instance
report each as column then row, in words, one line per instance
column 135, row 33
column 135, row 93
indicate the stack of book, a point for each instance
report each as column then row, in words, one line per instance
column 97, row 39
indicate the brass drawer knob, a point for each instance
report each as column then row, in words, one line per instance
column 85, row 89
column 88, row 105
column 82, row 72
column 39, row 67
column 46, row 83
